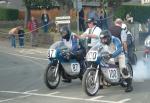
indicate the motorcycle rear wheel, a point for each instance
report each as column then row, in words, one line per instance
column 89, row 87
column 50, row 79
column 130, row 70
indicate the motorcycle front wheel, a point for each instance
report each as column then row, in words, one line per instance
column 89, row 86
column 50, row 78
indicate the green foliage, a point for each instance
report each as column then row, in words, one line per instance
column 138, row 12
column 8, row 14
column 39, row 4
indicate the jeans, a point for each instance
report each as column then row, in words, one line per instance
column 34, row 38
column 21, row 41
column 13, row 41
column 45, row 28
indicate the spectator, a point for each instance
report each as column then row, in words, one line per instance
column 33, row 28
column 92, row 14
column 13, row 33
column 21, row 37
column 148, row 24
column 104, row 21
column 117, row 31
column 81, row 20
column 129, row 18
column 45, row 21
column 92, row 33
column 100, row 18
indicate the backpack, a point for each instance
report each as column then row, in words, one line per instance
column 130, row 40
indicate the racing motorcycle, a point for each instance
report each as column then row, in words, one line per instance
column 147, row 48
column 61, row 64
column 101, row 67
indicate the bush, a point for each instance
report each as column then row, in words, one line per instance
column 140, row 13
column 8, row 14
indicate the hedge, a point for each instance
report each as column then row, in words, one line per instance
column 140, row 13
column 8, row 14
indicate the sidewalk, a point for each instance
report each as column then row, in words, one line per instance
column 27, row 49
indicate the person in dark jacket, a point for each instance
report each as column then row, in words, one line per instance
column 117, row 31
column 45, row 21
column 81, row 20
column 21, row 37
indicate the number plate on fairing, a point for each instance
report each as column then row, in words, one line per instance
column 113, row 73
column 51, row 53
column 92, row 56
column 75, row 67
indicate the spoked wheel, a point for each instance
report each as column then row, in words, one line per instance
column 90, row 87
column 130, row 71
column 51, row 78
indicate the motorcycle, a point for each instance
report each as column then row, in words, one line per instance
column 147, row 48
column 101, row 68
column 61, row 64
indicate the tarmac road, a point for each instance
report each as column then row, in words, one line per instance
column 21, row 81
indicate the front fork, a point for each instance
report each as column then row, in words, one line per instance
column 57, row 67
column 96, row 74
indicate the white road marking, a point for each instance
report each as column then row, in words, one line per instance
column 19, row 97
column 124, row 100
column 53, row 93
column 97, row 97
column 65, row 97
column 31, row 91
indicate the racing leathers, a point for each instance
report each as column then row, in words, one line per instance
column 116, row 50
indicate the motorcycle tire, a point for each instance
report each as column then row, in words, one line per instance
column 89, row 87
column 49, row 77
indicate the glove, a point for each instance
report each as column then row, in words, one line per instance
column 110, row 56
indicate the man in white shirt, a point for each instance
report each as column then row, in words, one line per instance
column 92, row 33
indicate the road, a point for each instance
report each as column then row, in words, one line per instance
column 21, row 81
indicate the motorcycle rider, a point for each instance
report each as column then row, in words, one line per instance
column 114, row 47
column 77, row 51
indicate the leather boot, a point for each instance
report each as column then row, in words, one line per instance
column 129, row 85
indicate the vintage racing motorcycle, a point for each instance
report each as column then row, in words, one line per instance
column 101, row 68
column 61, row 65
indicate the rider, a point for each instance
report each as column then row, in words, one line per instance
column 71, row 41
column 116, row 51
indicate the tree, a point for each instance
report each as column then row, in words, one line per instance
column 65, row 5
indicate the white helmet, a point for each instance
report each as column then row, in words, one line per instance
column 124, row 27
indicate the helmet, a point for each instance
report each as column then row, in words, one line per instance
column 64, row 31
column 89, row 20
column 105, row 37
